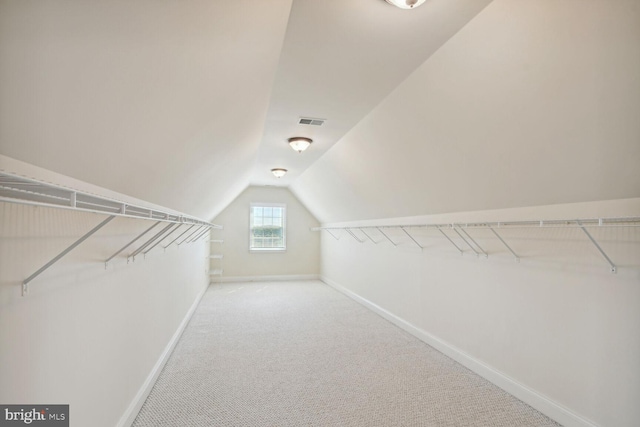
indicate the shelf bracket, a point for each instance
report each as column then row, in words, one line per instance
column 614, row 269
column 354, row 236
column 130, row 243
column 190, row 235
column 162, row 240
column 146, row 244
column 411, row 237
column 505, row 244
column 199, row 235
column 181, row 234
column 202, row 235
column 383, row 233
column 449, row 239
column 465, row 240
column 332, row 235
column 25, row 283
column 367, row 234
column 486, row 255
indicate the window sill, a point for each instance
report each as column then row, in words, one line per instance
column 267, row 250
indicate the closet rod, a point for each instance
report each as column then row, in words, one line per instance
column 22, row 190
column 461, row 231
column 632, row 221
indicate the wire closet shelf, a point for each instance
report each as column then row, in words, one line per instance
column 22, row 190
column 462, row 231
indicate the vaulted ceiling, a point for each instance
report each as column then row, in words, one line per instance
column 457, row 105
column 184, row 104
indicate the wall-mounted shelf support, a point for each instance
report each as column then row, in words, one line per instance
column 199, row 235
column 449, row 239
column 190, row 235
column 411, row 237
column 27, row 191
column 367, row 234
column 216, row 257
column 179, row 236
column 199, row 232
column 517, row 258
column 465, row 240
column 332, row 235
column 614, row 269
column 463, row 231
column 486, row 255
column 354, row 236
column 171, row 230
column 150, row 241
column 202, row 236
column 130, row 243
column 383, row 233
column 25, row 283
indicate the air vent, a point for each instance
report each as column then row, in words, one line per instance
column 311, row 122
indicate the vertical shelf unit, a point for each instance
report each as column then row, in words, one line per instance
column 216, row 257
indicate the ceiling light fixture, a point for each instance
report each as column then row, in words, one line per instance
column 300, row 143
column 406, row 4
column 278, row 172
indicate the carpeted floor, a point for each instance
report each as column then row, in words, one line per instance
column 302, row 354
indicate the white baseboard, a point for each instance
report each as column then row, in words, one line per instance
column 131, row 413
column 531, row 397
column 286, row 278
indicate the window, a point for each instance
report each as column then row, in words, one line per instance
column 267, row 227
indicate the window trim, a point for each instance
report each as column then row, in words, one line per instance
column 284, row 227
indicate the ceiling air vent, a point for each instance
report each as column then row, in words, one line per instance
column 310, row 121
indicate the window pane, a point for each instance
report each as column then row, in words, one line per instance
column 267, row 227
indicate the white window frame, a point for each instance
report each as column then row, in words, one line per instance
column 284, row 227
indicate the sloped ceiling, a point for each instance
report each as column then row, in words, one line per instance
column 456, row 105
column 161, row 100
column 532, row 103
column 184, row 104
column 339, row 60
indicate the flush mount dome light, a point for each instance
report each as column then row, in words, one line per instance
column 299, row 143
column 406, row 4
column 278, row 172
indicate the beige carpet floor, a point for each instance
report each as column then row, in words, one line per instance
column 303, row 354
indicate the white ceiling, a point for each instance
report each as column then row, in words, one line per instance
column 184, row 104
column 339, row 60
column 532, row 103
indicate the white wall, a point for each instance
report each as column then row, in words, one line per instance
column 533, row 103
column 85, row 335
column 302, row 257
column 558, row 323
